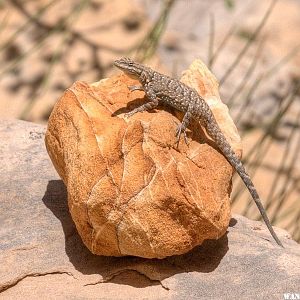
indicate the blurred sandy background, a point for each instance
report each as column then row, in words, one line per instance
column 252, row 46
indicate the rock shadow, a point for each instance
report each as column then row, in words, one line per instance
column 130, row 106
column 204, row 258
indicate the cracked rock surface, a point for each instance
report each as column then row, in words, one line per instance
column 43, row 257
column 130, row 190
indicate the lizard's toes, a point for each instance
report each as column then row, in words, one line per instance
column 129, row 114
column 180, row 131
column 185, row 138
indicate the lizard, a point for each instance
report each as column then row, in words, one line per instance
column 160, row 88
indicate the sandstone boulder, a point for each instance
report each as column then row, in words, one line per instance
column 43, row 257
column 130, row 190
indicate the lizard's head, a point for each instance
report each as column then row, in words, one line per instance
column 128, row 66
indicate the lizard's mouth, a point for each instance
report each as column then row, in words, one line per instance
column 123, row 67
column 128, row 66
column 123, row 63
column 118, row 64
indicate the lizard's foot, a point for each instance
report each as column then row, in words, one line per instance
column 179, row 131
column 130, row 113
column 135, row 88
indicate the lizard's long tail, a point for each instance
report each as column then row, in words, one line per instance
column 215, row 132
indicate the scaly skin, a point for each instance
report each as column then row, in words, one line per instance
column 161, row 88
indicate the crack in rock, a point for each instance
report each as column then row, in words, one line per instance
column 15, row 281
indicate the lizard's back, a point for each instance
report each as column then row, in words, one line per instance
column 175, row 93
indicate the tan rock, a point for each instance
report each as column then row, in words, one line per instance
column 42, row 256
column 130, row 191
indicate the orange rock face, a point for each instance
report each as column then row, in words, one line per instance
column 130, row 190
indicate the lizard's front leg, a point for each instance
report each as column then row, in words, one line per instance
column 153, row 102
column 181, row 128
column 135, row 88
